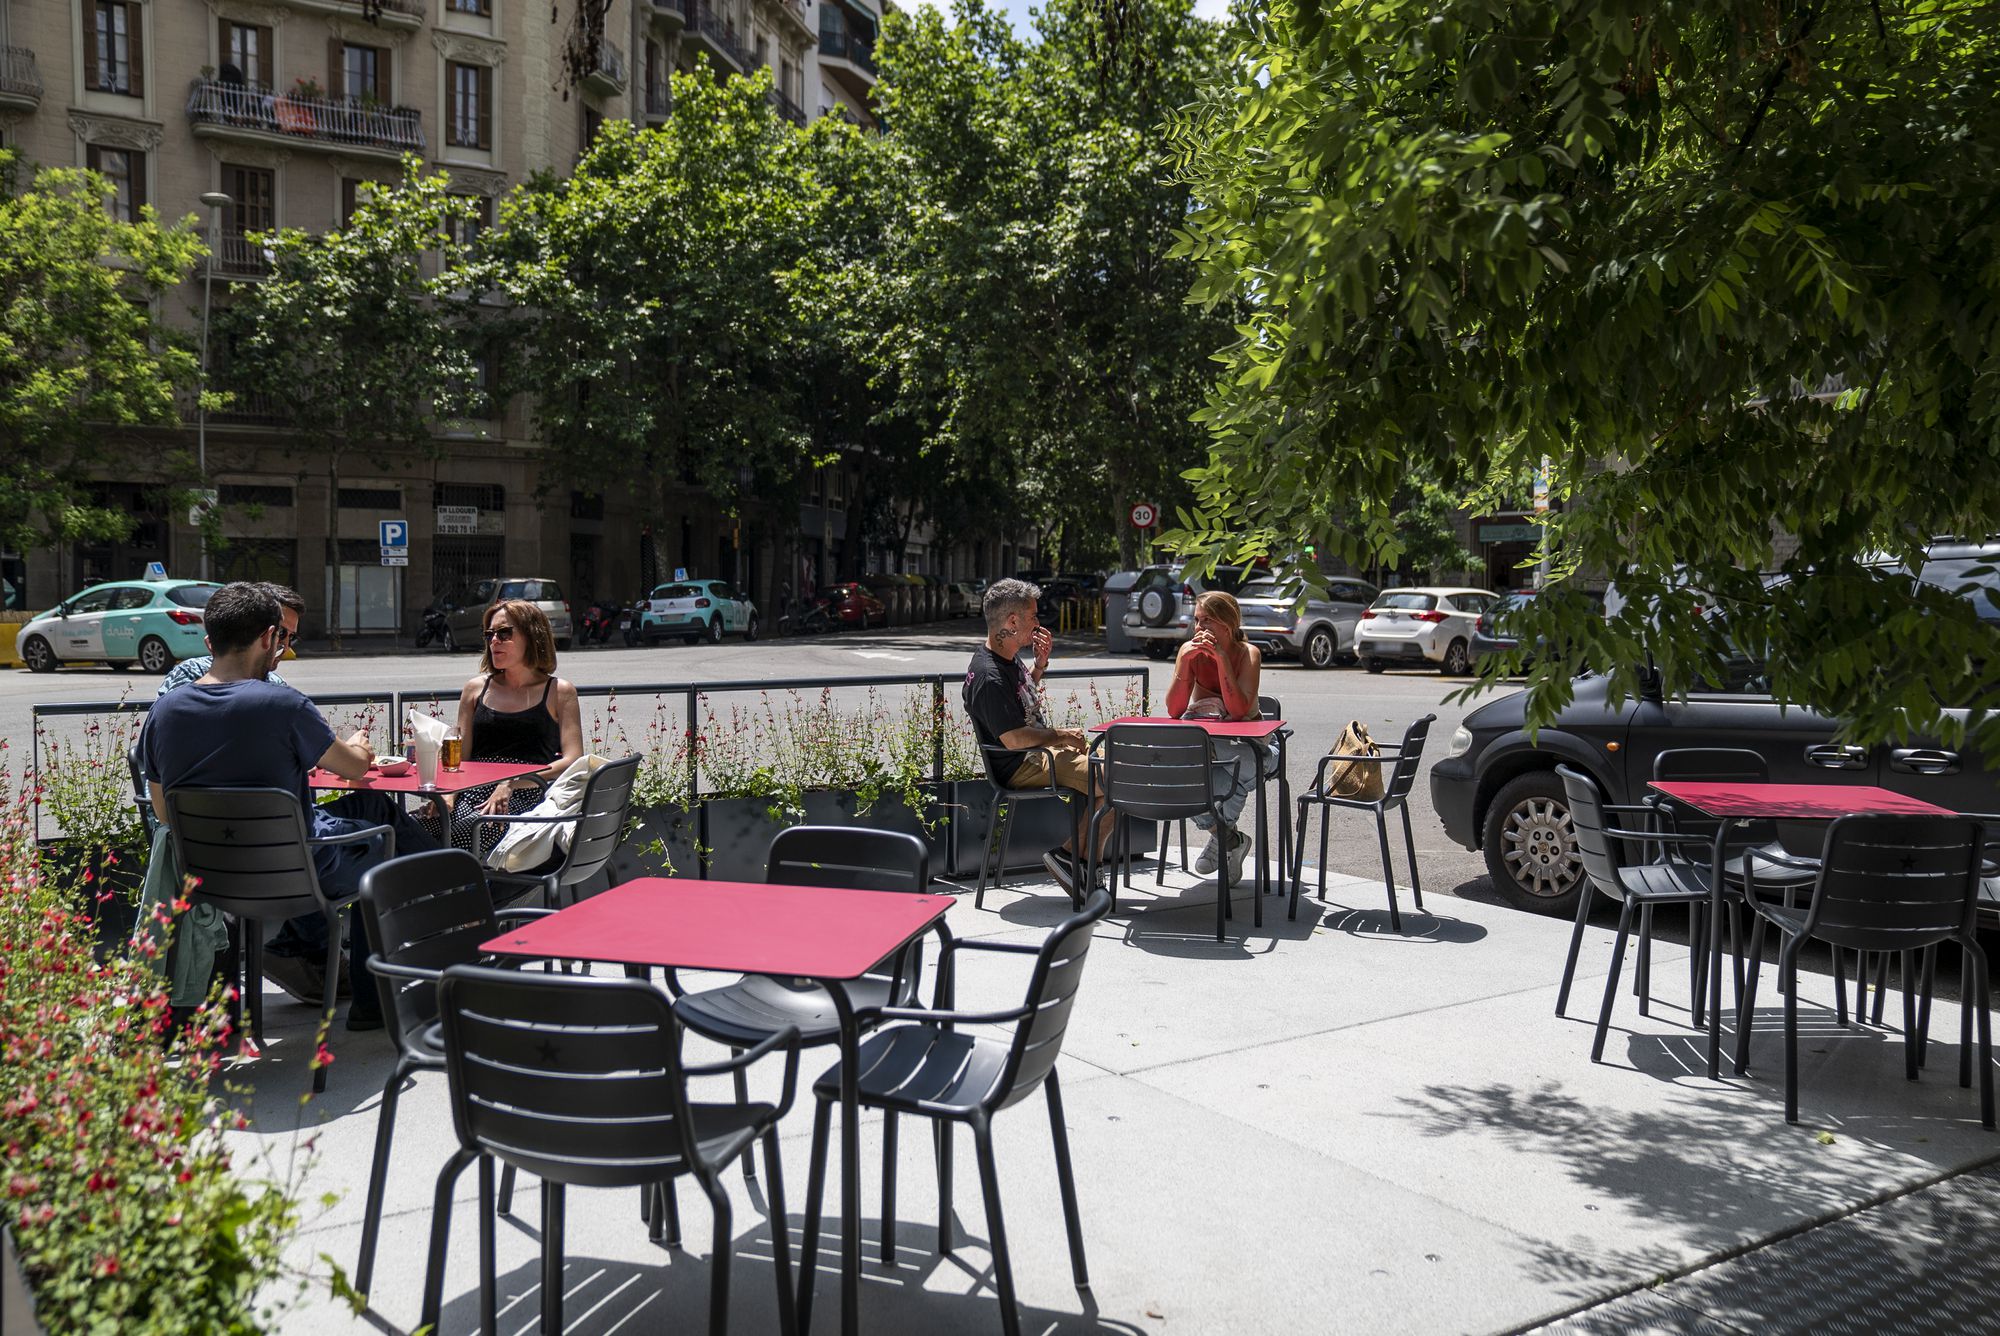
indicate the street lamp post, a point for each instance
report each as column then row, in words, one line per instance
column 216, row 202
column 745, row 475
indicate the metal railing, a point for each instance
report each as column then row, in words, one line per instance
column 694, row 697
column 610, row 61
column 848, row 45
column 787, row 108
column 659, row 100
column 722, row 36
column 239, row 257
column 18, row 74
column 305, row 116
column 679, row 7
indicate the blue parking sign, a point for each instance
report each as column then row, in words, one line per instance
column 395, row 533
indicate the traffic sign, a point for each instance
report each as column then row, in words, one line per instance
column 1144, row 516
column 202, row 501
column 1542, row 482
column 388, row 560
column 395, row 533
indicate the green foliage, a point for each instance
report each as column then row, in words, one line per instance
column 85, row 358
column 1729, row 268
column 128, row 1212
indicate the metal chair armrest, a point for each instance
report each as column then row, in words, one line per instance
column 523, row 912
column 1794, row 861
column 1015, row 948
column 377, row 965
column 352, row 836
column 870, row 1015
column 524, row 819
column 1659, row 837
column 1319, row 772
column 786, row 1037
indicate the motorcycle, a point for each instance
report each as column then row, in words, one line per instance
column 599, row 619
column 630, row 620
column 435, row 628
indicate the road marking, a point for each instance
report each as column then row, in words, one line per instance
column 880, row 654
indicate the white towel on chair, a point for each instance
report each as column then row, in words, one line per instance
column 529, row 844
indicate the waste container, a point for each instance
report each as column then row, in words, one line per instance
column 1117, row 596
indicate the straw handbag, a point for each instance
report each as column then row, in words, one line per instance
column 1357, row 779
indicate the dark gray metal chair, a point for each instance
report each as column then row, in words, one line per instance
column 580, row 1082
column 993, row 859
column 1161, row 773
column 1403, row 758
column 600, row 828
column 1902, row 884
column 928, row 1068
column 755, row 1007
column 142, row 796
column 251, row 854
column 425, row 913
column 1267, row 708
column 1637, row 887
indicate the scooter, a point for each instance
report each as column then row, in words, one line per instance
column 599, row 619
column 630, row 620
column 435, row 628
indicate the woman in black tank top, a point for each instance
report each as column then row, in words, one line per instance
column 516, row 710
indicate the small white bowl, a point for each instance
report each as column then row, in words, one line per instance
column 393, row 769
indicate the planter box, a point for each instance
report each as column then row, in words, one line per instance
column 739, row 831
column 662, row 846
column 116, row 914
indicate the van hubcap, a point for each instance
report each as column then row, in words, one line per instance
column 1538, row 844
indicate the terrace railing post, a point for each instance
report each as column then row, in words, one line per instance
column 937, row 731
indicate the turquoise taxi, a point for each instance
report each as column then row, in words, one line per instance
column 153, row 623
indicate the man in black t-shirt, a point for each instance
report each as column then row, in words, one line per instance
column 1004, row 700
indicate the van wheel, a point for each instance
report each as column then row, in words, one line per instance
column 1530, row 845
column 1320, row 648
column 154, row 656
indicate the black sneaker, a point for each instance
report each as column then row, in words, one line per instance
column 298, row 975
column 359, row 1023
column 1062, row 866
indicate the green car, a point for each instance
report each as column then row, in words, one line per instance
column 153, row 623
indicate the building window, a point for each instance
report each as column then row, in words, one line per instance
column 479, row 495
column 593, row 121
column 253, row 494
column 370, row 498
column 253, row 200
column 465, row 231
column 480, row 7
column 350, row 198
column 363, row 73
column 112, row 58
column 125, row 169
column 470, row 124
column 246, row 48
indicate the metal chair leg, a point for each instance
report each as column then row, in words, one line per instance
column 488, row 1267
column 1982, row 999
column 1410, row 847
column 889, row 1188
column 1583, row 902
column 1642, row 973
column 718, row 1262
column 941, row 1139
column 1611, row 981
column 1839, row 986
column 1908, row 969
column 552, row 1258
column 1388, row 872
column 1066, row 1180
column 1881, row 982
column 1003, row 1267
column 441, row 1235
column 743, row 1097
column 378, row 1175
column 1789, row 964
column 505, row 1206
column 1746, row 1005
column 815, row 1190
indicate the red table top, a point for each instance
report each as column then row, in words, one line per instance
column 470, row 776
column 1215, row 728
column 1808, row 802
column 805, row 932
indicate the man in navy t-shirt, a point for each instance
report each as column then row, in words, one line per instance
column 234, row 729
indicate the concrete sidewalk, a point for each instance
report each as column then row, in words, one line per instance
column 1316, row 1125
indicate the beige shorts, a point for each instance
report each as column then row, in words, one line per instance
column 1072, row 770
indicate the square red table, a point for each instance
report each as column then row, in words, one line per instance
column 1794, row 802
column 469, row 776
column 805, row 932
column 827, row 934
column 1251, row 729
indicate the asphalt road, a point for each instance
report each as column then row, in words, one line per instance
column 1317, row 705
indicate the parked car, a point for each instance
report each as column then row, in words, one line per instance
column 697, row 610
column 1491, row 634
column 851, row 605
column 1058, row 593
column 1160, row 608
column 962, row 599
column 153, row 623
column 1497, row 792
column 467, row 604
column 1319, row 632
column 1414, row 626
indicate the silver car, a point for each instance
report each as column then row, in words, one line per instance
column 1318, row 632
column 463, row 607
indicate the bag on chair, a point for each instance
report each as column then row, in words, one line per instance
column 1359, row 780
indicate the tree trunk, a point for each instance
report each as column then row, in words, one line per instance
column 333, row 547
column 1121, row 524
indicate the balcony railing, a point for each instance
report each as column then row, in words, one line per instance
column 658, row 99
column 787, row 108
column 607, row 68
column 328, row 120
column 722, row 36
column 243, row 410
column 20, row 81
column 679, row 8
column 239, row 257
column 850, row 46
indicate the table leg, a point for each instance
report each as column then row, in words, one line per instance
column 1263, row 886
column 850, row 1160
column 1715, row 899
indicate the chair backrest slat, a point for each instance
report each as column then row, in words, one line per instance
column 1598, row 851
column 1890, row 883
column 1403, row 776
column 600, row 825
column 1158, row 772
column 573, row 1078
column 247, row 850
column 1052, row 989
column 430, row 910
column 855, row 858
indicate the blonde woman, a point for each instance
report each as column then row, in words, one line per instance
column 1216, row 675
column 517, row 710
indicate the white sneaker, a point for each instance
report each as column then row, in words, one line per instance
column 1210, row 855
column 1239, row 849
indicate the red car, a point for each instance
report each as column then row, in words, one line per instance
column 851, row 605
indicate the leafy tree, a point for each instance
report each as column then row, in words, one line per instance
column 353, row 336
column 650, row 321
column 85, row 358
column 1729, row 267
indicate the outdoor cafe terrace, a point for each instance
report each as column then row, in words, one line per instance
column 1321, row 1118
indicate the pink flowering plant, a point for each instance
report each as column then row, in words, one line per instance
column 85, row 789
column 126, row 1208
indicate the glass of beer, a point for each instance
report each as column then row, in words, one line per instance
column 454, row 750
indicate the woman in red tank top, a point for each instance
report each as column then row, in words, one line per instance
column 1216, row 676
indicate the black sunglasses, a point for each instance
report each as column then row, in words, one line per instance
column 504, row 633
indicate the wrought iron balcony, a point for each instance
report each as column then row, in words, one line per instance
column 348, row 125
column 20, row 81
column 845, row 44
column 787, row 108
column 720, row 38
column 658, row 99
column 239, row 257
column 607, row 70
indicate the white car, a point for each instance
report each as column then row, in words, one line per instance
column 1428, row 624
column 697, row 610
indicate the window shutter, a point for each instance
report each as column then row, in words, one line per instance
column 223, row 55
column 267, row 73
column 135, row 163
column 485, row 107
column 383, row 83
column 92, row 16
column 336, row 65
column 135, row 24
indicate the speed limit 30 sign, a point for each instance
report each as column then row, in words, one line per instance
column 1144, row 516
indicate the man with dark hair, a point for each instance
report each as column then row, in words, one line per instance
column 234, row 728
column 290, row 608
column 1004, row 700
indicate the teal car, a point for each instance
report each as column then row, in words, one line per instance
column 697, row 610
column 153, row 623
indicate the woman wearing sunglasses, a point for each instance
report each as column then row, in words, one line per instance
column 515, row 710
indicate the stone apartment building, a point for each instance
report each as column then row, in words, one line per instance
column 289, row 108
